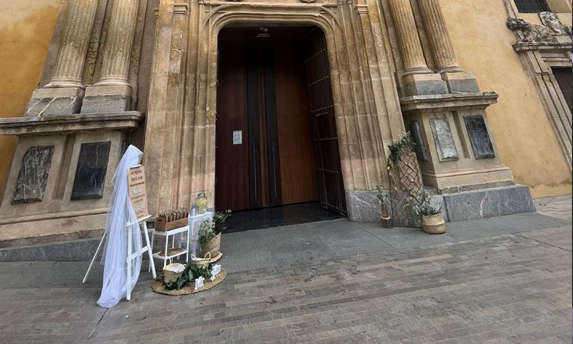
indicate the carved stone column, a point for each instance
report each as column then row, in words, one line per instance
column 458, row 80
column 410, row 46
column 417, row 79
column 64, row 93
column 74, row 44
column 113, row 93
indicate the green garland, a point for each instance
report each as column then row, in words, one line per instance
column 191, row 273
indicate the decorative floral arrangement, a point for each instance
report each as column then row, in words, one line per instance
column 209, row 229
column 206, row 232
column 403, row 144
column 189, row 276
column 423, row 206
column 220, row 221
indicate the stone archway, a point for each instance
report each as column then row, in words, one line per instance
column 180, row 132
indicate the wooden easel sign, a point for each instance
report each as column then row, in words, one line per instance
column 138, row 198
column 138, row 191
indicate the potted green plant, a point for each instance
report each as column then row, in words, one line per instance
column 210, row 233
column 429, row 215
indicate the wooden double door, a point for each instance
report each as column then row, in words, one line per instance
column 276, row 132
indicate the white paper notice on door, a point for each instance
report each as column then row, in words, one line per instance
column 238, row 137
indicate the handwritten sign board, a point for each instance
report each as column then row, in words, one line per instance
column 138, row 192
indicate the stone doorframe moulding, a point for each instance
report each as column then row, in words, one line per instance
column 180, row 134
column 542, row 47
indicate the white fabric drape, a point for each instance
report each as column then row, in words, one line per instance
column 115, row 283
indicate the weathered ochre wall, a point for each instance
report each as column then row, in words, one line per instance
column 523, row 132
column 26, row 28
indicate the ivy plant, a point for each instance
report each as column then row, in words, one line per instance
column 403, row 144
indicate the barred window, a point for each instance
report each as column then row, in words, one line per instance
column 532, row 6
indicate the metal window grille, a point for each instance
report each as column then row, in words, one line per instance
column 532, row 6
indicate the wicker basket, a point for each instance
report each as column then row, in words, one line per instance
column 213, row 246
column 201, row 262
column 434, row 224
column 170, row 276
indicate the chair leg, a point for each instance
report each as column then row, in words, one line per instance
column 129, row 250
column 94, row 258
column 150, row 247
column 150, row 250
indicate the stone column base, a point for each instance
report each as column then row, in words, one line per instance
column 363, row 206
column 55, row 101
column 423, row 84
column 460, row 82
column 107, row 99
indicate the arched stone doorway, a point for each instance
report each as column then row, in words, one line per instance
column 181, row 123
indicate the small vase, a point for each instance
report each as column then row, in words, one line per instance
column 434, row 224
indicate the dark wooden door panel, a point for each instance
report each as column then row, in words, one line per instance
column 289, row 152
column 297, row 161
column 232, row 173
column 254, row 108
column 329, row 169
column 271, row 121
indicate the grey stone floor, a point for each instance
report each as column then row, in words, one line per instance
column 559, row 207
column 503, row 280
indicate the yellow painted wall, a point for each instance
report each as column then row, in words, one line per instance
column 26, row 28
column 519, row 124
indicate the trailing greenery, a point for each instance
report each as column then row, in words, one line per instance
column 404, row 144
column 209, row 229
column 220, row 221
column 423, row 206
column 191, row 273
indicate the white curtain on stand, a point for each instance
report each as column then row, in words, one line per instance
column 115, row 283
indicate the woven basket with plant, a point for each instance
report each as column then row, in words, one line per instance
column 210, row 233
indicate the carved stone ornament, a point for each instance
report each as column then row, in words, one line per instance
column 308, row 1
column 552, row 22
column 546, row 33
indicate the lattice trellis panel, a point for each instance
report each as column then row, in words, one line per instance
column 405, row 187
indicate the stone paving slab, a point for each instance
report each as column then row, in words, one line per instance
column 559, row 207
column 324, row 240
column 503, row 280
column 514, row 288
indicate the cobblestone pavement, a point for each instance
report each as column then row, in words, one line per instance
column 511, row 288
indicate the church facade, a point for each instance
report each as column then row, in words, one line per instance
column 264, row 103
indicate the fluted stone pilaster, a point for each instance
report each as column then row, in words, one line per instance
column 417, row 79
column 74, row 45
column 119, row 43
column 435, row 24
column 112, row 93
column 408, row 39
column 458, row 80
